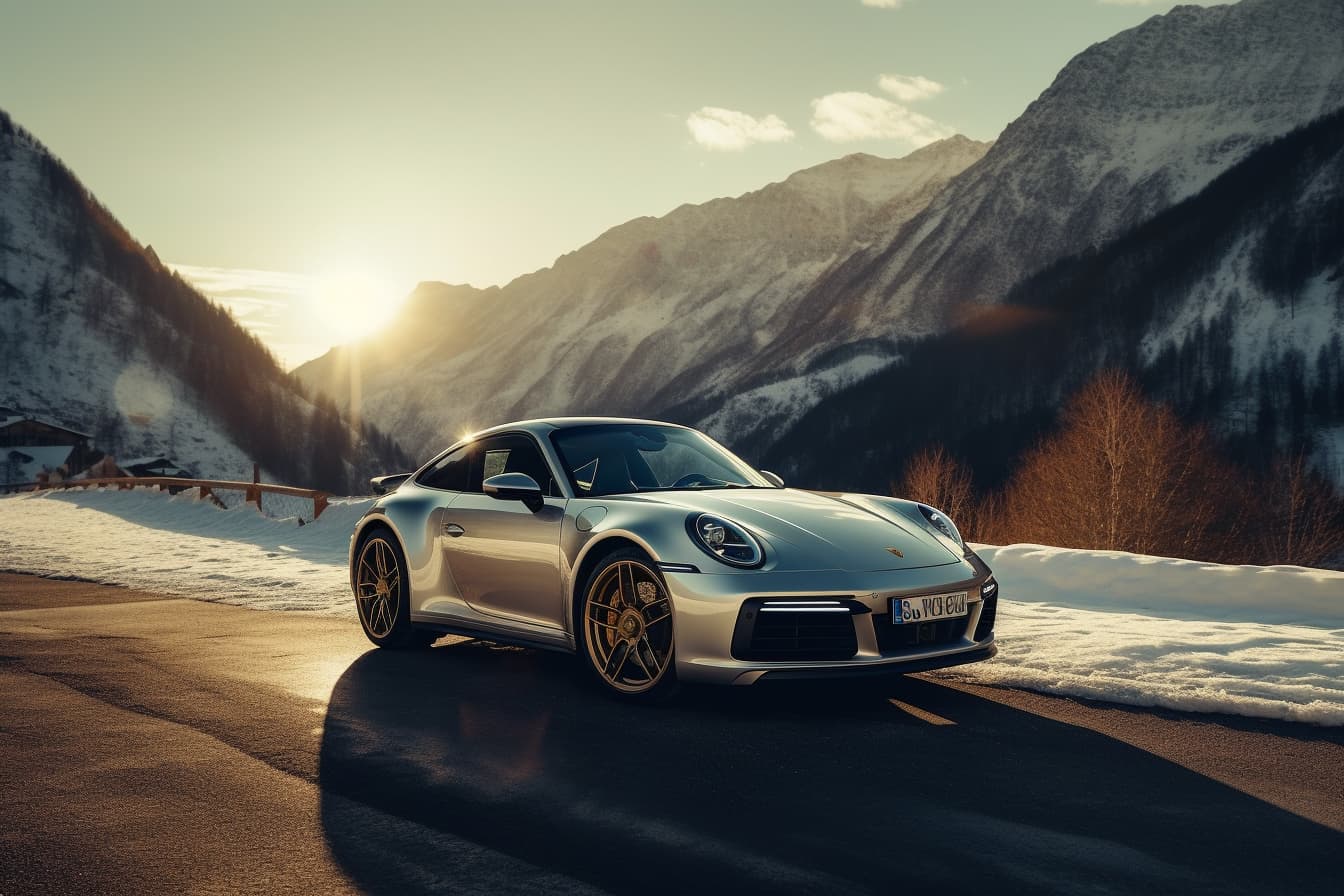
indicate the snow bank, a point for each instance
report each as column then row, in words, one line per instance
column 1166, row 587
column 1291, row 672
column 1264, row 641
column 182, row 545
column 1148, row 631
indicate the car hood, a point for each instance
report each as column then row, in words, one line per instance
column 816, row 530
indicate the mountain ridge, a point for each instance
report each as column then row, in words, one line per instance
column 786, row 311
column 1229, row 305
column 650, row 299
column 1129, row 126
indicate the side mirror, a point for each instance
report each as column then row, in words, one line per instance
column 383, row 485
column 773, row 479
column 515, row 487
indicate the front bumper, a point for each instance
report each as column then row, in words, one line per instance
column 712, row 609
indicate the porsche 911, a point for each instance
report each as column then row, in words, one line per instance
column 656, row 556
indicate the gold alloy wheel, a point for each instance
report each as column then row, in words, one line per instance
column 377, row 587
column 628, row 627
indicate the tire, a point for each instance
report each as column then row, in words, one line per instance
column 383, row 594
column 623, row 628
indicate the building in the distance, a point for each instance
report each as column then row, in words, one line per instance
column 154, row 465
column 32, row 448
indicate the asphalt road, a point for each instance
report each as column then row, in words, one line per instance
column 159, row 745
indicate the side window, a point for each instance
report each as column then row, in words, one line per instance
column 495, row 461
column 514, row 454
column 453, row 472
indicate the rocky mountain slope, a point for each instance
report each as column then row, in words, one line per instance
column 649, row 313
column 742, row 314
column 1130, row 126
column 99, row 334
column 1229, row 305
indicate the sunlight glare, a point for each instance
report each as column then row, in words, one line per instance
column 353, row 305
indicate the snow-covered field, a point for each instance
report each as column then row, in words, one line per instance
column 1263, row 641
column 1149, row 631
column 181, row 545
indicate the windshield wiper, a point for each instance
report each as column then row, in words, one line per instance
column 703, row 488
column 694, row 488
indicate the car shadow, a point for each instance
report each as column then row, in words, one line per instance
column 811, row 788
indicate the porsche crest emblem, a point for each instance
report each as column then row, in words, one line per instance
column 896, row 551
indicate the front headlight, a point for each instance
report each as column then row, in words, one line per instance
column 940, row 521
column 725, row 540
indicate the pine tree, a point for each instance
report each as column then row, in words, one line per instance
column 44, row 296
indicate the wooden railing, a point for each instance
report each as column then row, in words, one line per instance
column 252, row 491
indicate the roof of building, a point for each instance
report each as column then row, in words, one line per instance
column 151, row 460
column 156, row 463
column 9, row 417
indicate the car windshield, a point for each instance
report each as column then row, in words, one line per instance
column 619, row 458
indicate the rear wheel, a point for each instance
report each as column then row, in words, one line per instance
column 382, row 594
column 625, row 626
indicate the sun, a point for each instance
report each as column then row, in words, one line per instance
column 351, row 305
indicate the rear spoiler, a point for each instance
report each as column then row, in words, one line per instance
column 384, row 484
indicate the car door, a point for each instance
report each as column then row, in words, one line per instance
column 434, row 592
column 504, row 557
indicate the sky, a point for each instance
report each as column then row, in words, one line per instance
column 307, row 164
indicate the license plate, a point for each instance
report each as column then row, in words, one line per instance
column 927, row 607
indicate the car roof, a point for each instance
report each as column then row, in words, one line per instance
column 539, row 428
column 543, row 425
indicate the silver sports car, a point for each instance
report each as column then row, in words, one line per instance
column 656, row 555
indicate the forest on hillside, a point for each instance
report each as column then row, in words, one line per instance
column 299, row 437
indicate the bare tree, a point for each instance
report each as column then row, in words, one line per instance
column 1124, row 473
column 938, row 479
column 1304, row 515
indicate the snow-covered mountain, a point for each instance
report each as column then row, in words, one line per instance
column 650, row 313
column 741, row 314
column 1130, row 126
column 1229, row 306
column 97, row 333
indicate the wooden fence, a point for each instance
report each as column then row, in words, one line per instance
column 252, row 491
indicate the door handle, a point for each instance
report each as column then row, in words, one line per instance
column 454, row 530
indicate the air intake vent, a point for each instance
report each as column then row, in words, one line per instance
column 892, row 638
column 796, row 629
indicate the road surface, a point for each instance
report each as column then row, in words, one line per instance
column 150, row 744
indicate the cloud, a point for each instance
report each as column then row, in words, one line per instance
column 842, row 117
column 883, row 4
column 217, row 281
column 273, row 305
column 730, row 130
column 910, row 88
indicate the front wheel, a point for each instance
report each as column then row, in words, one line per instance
column 382, row 594
column 625, row 626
